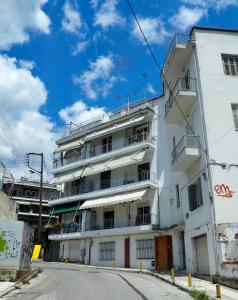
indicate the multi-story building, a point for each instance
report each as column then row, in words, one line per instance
column 109, row 205
column 26, row 195
column 198, row 165
column 157, row 181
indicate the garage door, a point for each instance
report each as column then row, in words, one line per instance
column 74, row 251
column 203, row 267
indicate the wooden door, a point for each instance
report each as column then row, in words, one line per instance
column 164, row 255
column 127, row 252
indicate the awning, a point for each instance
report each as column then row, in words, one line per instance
column 114, row 128
column 115, row 162
column 70, row 146
column 65, row 209
column 113, row 200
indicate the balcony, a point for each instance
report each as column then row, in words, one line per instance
column 178, row 55
column 182, row 98
column 186, row 153
column 109, row 227
column 131, row 143
column 64, row 231
column 116, row 184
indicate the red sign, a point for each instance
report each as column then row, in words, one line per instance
column 223, row 190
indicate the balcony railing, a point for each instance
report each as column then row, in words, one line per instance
column 187, row 141
column 179, row 39
column 143, row 219
column 109, row 183
column 100, row 149
column 65, row 228
column 182, row 84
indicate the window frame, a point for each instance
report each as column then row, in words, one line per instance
column 230, row 64
column 106, row 251
column 145, row 248
column 198, row 201
column 234, row 109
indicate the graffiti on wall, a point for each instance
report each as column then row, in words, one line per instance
column 9, row 245
column 27, row 247
column 223, row 190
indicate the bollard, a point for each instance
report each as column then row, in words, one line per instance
column 65, row 260
column 114, row 264
column 190, row 282
column 85, row 262
column 141, row 266
column 172, row 274
column 218, row 291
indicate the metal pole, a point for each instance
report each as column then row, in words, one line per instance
column 40, row 198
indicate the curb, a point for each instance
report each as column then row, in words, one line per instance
column 17, row 285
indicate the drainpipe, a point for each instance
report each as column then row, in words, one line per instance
column 209, row 179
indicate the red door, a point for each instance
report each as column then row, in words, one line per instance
column 164, row 254
column 127, row 252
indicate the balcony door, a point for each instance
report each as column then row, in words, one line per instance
column 143, row 215
column 108, row 219
column 107, row 144
column 106, row 179
column 144, row 172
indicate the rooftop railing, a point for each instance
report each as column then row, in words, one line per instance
column 110, row 183
column 179, row 39
column 89, row 124
column 182, row 84
column 98, row 150
column 187, row 141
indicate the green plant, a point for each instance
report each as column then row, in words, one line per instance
column 35, row 275
column 39, row 270
column 199, row 295
column 12, row 279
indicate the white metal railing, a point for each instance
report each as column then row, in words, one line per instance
column 138, row 220
column 100, row 149
column 182, row 84
column 89, row 124
column 179, row 39
column 87, row 187
column 187, row 141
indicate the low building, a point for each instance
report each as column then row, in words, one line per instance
column 25, row 193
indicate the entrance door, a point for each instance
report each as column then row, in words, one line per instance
column 127, row 252
column 203, row 267
column 164, row 255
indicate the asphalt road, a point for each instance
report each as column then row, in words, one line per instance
column 69, row 282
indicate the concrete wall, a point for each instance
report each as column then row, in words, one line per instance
column 7, row 207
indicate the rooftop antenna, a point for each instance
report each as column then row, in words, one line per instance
column 144, row 77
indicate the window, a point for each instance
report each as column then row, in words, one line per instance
column 234, row 107
column 230, row 64
column 106, row 251
column 177, row 195
column 144, row 172
column 195, row 195
column 107, row 144
column 108, row 219
column 143, row 215
column 106, row 179
column 145, row 249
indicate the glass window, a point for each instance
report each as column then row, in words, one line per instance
column 106, row 251
column 230, row 64
column 234, row 107
column 195, row 195
column 145, row 249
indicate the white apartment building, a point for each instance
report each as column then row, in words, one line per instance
column 157, row 181
column 198, row 166
column 109, row 205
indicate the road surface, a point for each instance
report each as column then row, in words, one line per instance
column 69, row 282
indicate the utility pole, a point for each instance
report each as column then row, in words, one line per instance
column 40, row 173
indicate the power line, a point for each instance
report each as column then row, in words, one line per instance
column 163, row 76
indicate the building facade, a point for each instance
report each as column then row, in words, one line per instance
column 157, row 181
column 25, row 193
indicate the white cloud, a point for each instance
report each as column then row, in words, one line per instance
column 187, row 17
column 19, row 18
column 80, row 112
column 80, row 47
column 213, row 4
column 108, row 15
column 150, row 89
column 153, row 28
column 71, row 21
column 21, row 97
column 98, row 79
column 94, row 3
column 27, row 64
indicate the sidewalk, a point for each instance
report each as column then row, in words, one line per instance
column 6, row 287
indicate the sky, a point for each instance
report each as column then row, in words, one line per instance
column 65, row 61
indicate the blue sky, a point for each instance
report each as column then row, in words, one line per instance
column 70, row 60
